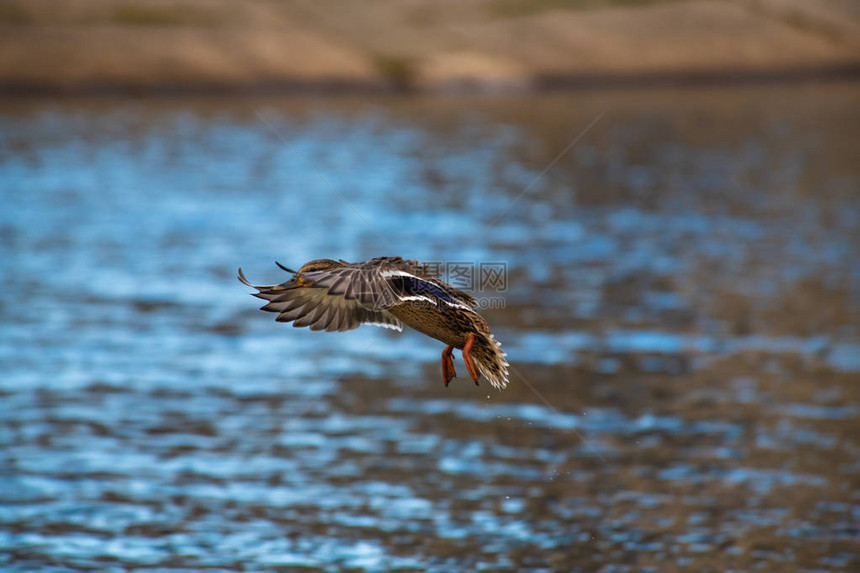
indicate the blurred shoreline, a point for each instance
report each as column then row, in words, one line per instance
column 162, row 47
column 335, row 87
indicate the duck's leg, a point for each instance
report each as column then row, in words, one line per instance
column 467, row 358
column 448, row 372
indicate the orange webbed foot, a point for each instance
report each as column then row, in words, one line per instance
column 448, row 372
column 467, row 358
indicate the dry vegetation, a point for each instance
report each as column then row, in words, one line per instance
column 489, row 44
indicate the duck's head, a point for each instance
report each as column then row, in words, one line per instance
column 319, row 265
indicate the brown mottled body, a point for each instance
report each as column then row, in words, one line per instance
column 452, row 328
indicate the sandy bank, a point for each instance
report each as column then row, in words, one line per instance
column 199, row 45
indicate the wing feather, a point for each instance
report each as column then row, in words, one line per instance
column 367, row 286
column 310, row 318
column 292, row 314
column 327, row 318
column 318, row 308
column 334, row 324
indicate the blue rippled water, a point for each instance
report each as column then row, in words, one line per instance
column 680, row 308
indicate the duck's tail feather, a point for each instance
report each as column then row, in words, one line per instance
column 490, row 359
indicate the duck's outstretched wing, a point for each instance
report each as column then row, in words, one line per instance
column 328, row 300
column 385, row 282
